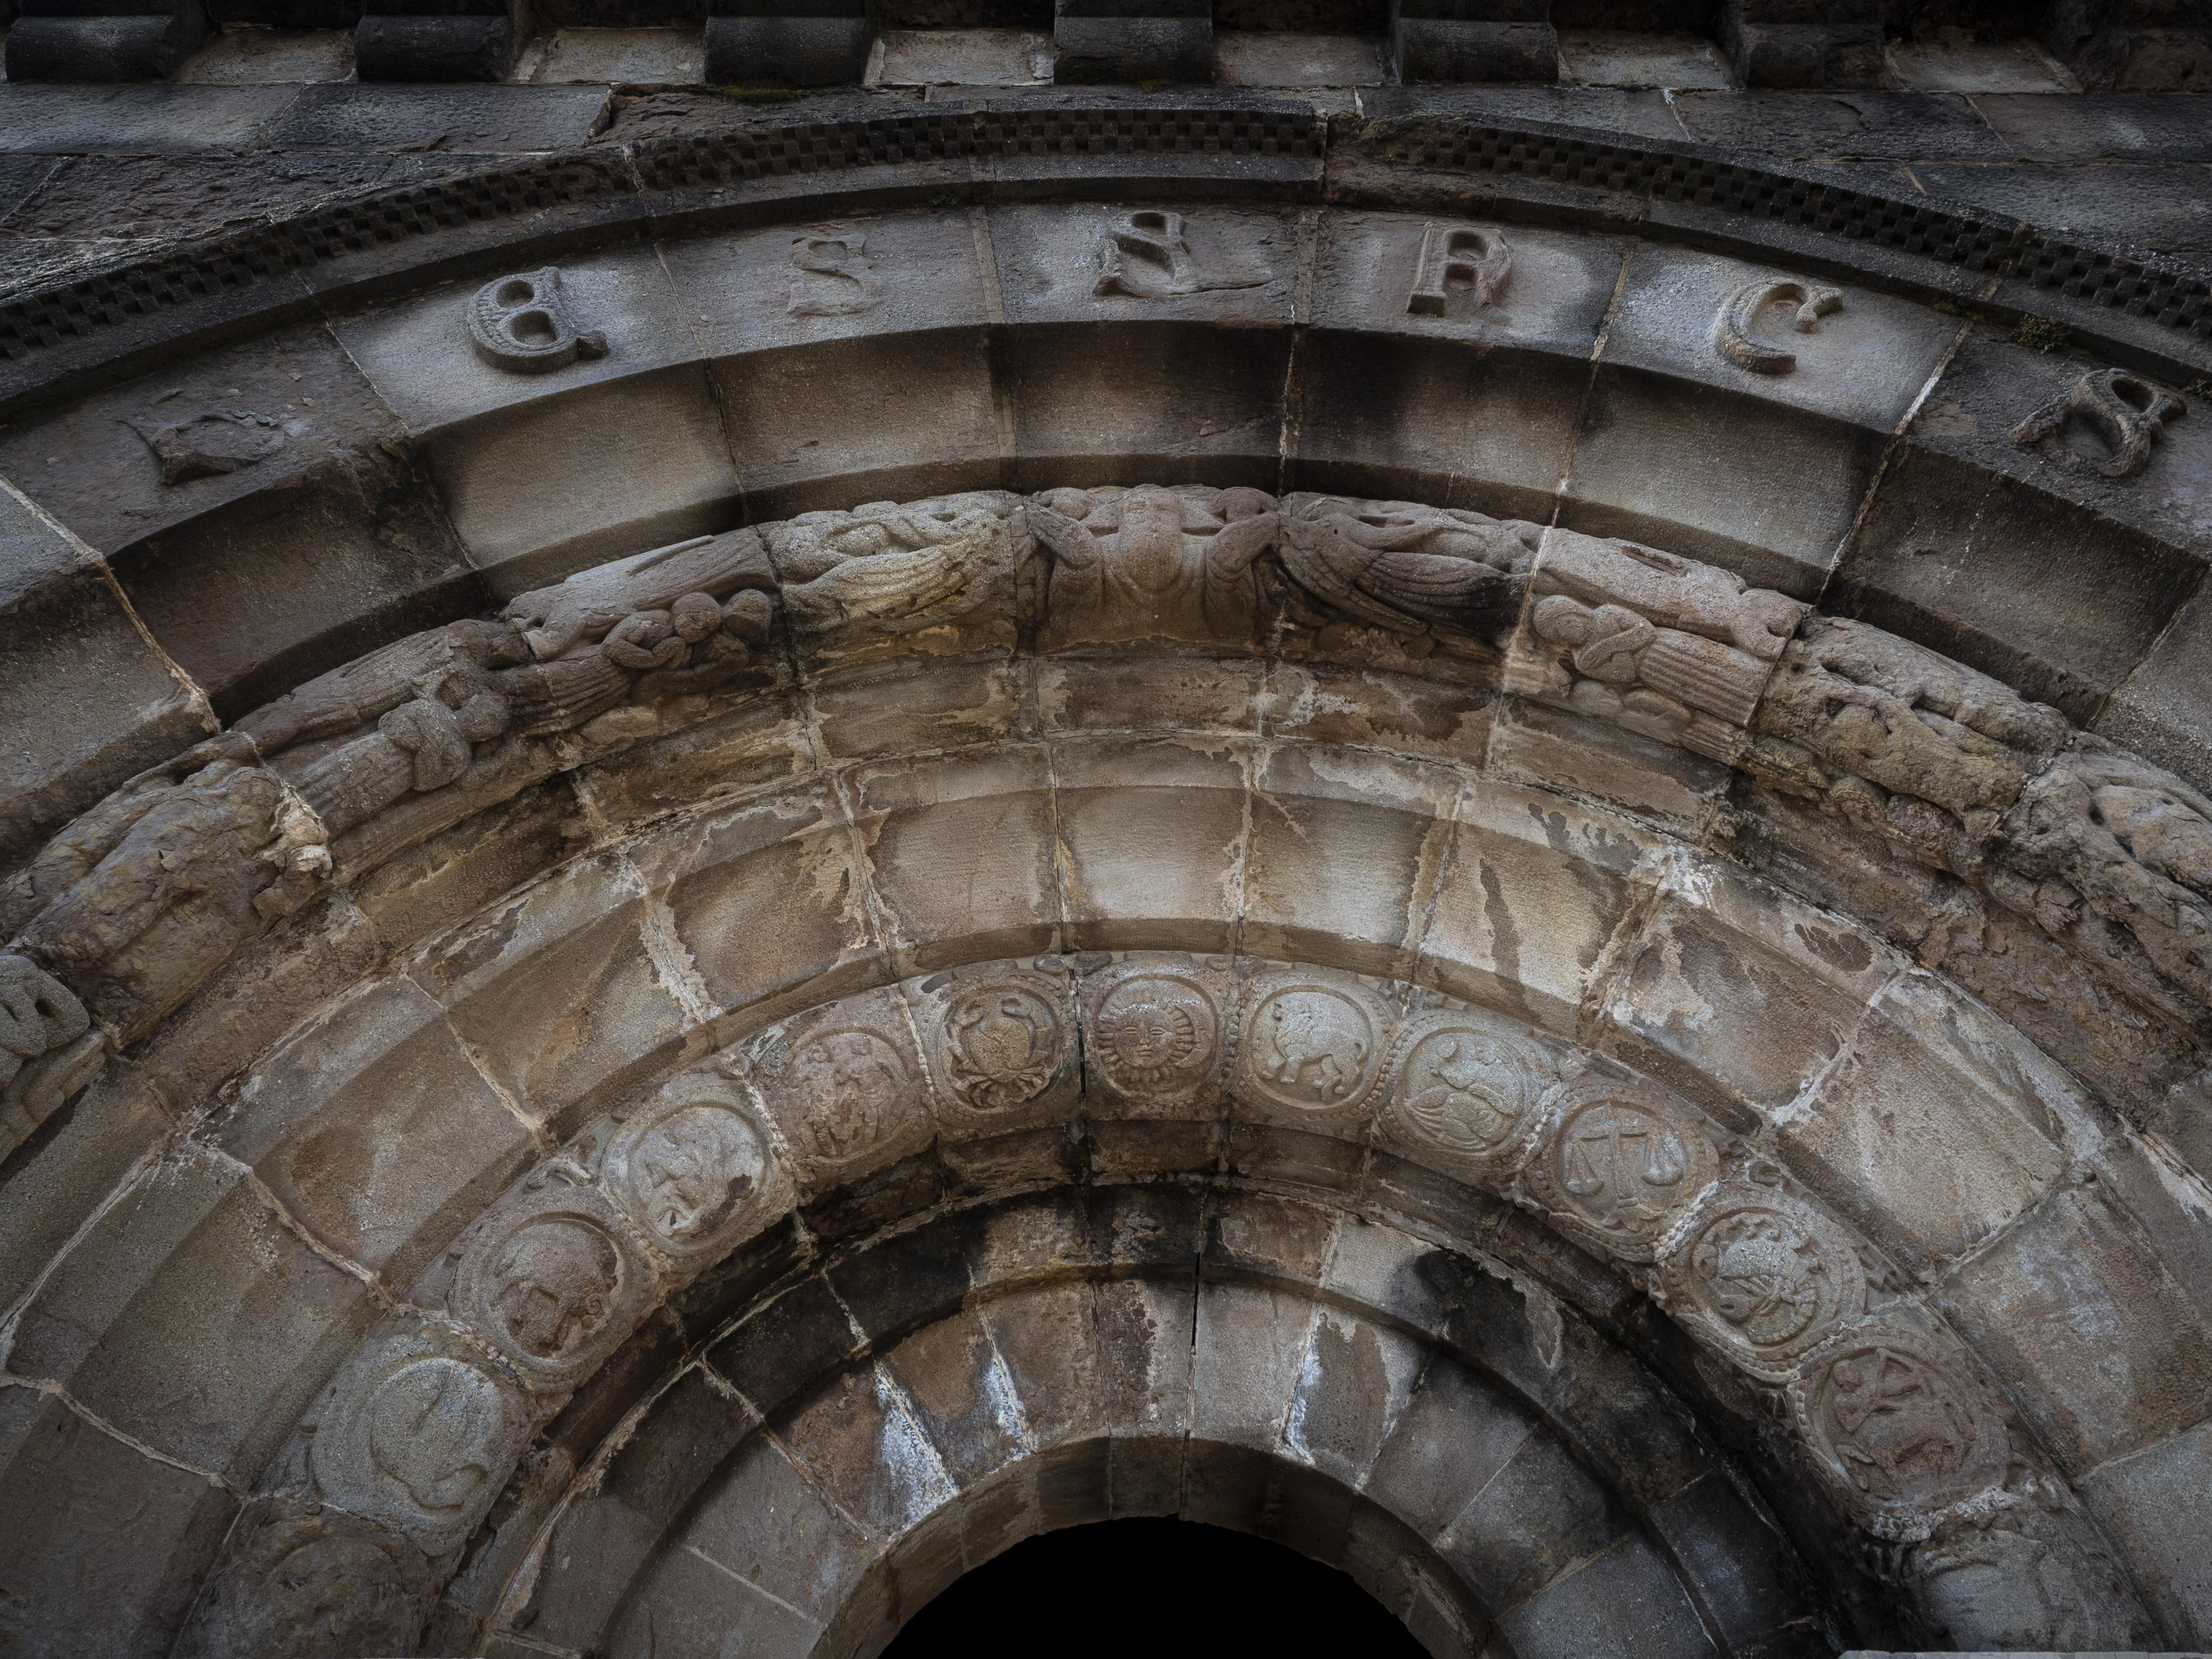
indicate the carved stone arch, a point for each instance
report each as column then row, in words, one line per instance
column 1434, row 807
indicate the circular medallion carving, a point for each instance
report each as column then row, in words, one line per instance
column 850, row 1083
column 1902, row 1425
column 551, row 1282
column 1312, row 1048
column 1616, row 1159
column 694, row 1170
column 1001, row 1042
column 1156, row 1034
column 1765, row 1277
column 1467, row 1095
column 419, row 1440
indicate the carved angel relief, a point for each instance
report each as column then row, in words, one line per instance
column 1668, row 647
column 1152, row 563
column 2124, row 411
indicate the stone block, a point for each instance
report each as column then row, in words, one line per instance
column 906, row 705
column 1937, row 1128
column 827, row 46
column 419, row 356
column 866, row 1452
column 896, row 1288
column 1307, row 896
column 428, row 50
column 1374, row 708
column 1528, row 901
column 2163, row 709
column 1739, row 999
column 1608, row 57
column 53, row 1181
column 1048, row 1349
column 540, row 490
column 1356, row 1379
column 1626, row 1601
column 961, row 854
column 762, row 1522
column 1144, row 1328
column 966, row 57
column 72, row 643
column 756, row 740
column 1534, row 743
column 455, row 873
column 143, row 120
column 2151, row 1504
column 1451, row 48
column 2039, row 571
column 686, row 1607
column 1093, row 264
column 1250, row 1348
column 1090, row 50
column 374, row 1127
column 963, row 1396
column 1742, row 1568
column 105, row 1546
column 1272, row 59
column 1531, row 1523
column 1129, row 693
column 786, row 1347
column 1858, row 125
column 1451, row 1437
column 460, row 120
column 1133, row 817
column 769, row 898
column 556, row 994
column 2104, row 1348
column 192, row 1319
column 2109, row 126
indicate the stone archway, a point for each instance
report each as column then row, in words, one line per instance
column 711, row 1009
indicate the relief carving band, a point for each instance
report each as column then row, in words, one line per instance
column 884, row 570
column 1414, row 572
column 1456, row 261
column 48, row 1049
column 548, row 1279
column 522, row 322
column 1905, row 1426
column 1467, row 1094
column 418, row 1439
column 1156, row 1035
column 1146, row 255
column 1149, row 562
column 1001, row 1043
column 693, row 1167
column 1732, row 328
column 1617, row 1160
column 1677, row 651
column 1313, row 1048
column 1766, row 1276
column 2125, row 411
column 836, row 278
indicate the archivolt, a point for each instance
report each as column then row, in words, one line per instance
column 1123, row 839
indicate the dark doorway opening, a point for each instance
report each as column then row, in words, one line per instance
column 1151, row 1589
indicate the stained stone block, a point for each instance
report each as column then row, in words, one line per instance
column 1740, row 1001
column 1371, row 707
column 136, row 120
column 1624, row 1602
column 1128, row 693
column 1134, row 815
column 1250, row 1346
column 2153, row 1505
column 1531, row 1522
column 961, row 855
column 860, row 1443
column 913, row 704
column 556, row 994
column 1452, row 1436
column 1048, row 1346
column 1356, row 1378
column 1551, row 748
column 192, row 1319
column 786, row 1347
column 1162, row 40
column 960, row 1391
column 768, row 900
column 453, row 874
column 374, row 1127
column 1952, row 1120
column 760, row 1521
column 53, row 1181
column 1144, row 1358
column 105, row 1546
column 1305, row 899
column 1527, row 900
column 461, row 121
column 540, row 490
column 2109, row 1350
column 1739, row 1563
column 2164, row 708
column 688, row 1608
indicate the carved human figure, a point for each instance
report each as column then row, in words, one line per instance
column 692, row 1169
column 1151, row 563
column 1409, row 569
column 884, row 570
column 1905, row 1425
column 308, row 1579
column 419, row 745
column 1468, row 1092
column 1002, row 1044
column 849, row 1082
